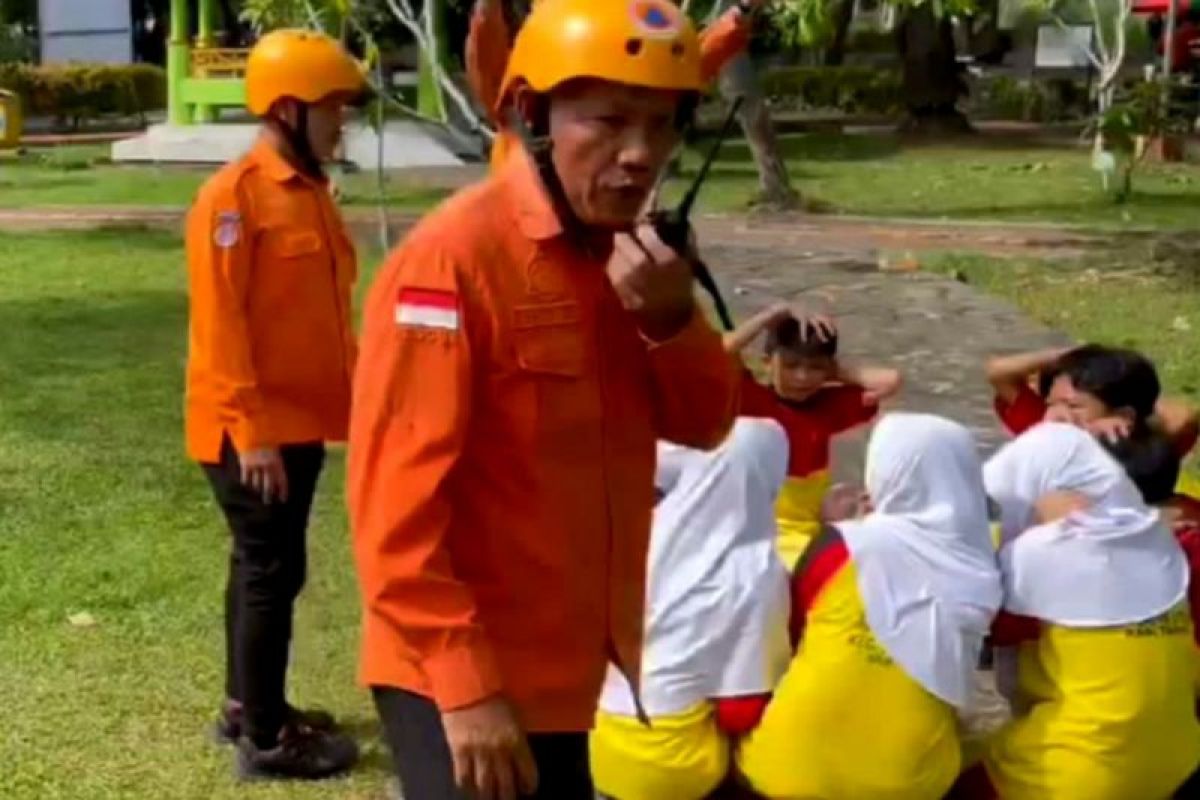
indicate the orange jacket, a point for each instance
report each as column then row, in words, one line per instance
column 501, row 460
column 487, row 53
column 270, row 345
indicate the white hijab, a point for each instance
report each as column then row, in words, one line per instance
column 717, row 596
column 926, row 568
column 1114, row 563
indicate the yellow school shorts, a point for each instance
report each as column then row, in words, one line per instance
column 679, row 757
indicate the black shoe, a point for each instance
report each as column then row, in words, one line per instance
column 228, row 727
column 300, row 755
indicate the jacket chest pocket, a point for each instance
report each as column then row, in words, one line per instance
column 294, row 245
column 549, row 340
column 560, row 410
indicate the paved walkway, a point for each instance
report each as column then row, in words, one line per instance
column 802, row 236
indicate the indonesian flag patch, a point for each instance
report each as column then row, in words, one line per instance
column 427, row 308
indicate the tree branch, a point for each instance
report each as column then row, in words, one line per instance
column 1119, row 33
column 404, row 13
column 1098, row 21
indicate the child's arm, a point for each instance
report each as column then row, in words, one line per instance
column 1008, row 374
column 1058, row 505
column 1179, row 421
column 738, row 339
column 878, row 383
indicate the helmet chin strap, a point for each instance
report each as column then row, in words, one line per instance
column 297, row 139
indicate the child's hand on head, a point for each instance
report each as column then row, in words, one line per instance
column 779, row 311
column 819, row 326
column 843, row 502
column 1111, row 429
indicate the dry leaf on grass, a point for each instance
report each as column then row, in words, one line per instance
column 906, row 263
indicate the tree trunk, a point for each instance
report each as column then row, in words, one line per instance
column 774, row 185
column 843, row 15
column 933, row 82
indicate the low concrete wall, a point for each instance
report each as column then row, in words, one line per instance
column 406, row 145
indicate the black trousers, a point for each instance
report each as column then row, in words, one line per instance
column 413, row 728
column 267, row 566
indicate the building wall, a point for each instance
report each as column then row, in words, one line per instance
column 86, row 30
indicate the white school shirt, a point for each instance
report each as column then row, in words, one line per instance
column 717, row 594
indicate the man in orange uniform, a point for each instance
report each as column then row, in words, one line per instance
column 487, row 56
column 523, row 350
column 271, row 353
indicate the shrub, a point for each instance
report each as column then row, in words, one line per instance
column 74, row 93
column 878, row 90
column 851, row 90
column 1038, row 100
column 16, row 44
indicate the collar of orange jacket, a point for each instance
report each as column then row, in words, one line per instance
column 534, row 211
column 275, row 166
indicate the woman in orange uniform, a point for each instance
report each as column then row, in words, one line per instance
column 270, row 352
column 891, row 612
column 1107, row 678
column 487, row 56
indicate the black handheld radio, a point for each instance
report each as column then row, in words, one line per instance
column 674, row 225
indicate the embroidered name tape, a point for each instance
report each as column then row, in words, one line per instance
column 427, row 308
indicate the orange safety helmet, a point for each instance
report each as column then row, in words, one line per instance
column 648, row 43
column 305, row 65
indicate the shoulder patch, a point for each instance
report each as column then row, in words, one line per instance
column 435, row 309
column 228, row 229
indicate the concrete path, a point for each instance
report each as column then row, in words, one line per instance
column 803, row 236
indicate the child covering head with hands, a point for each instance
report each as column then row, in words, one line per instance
column 814, row 395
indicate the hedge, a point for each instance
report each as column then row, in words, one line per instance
column 1041, row 100
column 851, row 90
column 874, row 90
column 73, row 93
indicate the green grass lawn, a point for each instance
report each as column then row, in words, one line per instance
column 102, row 514
column 80, row 175
column 988, row 179
column 985, row 180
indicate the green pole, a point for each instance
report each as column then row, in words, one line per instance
column 205, row 38
column 205, row 24
column 429, row 93
column 178, row 64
